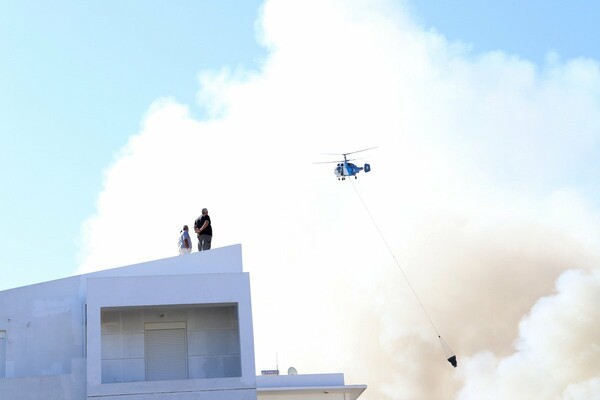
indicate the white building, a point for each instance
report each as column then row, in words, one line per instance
column 173, row 329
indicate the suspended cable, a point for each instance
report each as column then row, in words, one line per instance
column 450, row 356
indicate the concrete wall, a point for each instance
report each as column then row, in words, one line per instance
column 216, row 261
column 53, row 330
column 60, row 337
column 44, row 327
column 307, row 387
column 2, row 354
column 213, row 340
column 54, row 387
column 180, row 292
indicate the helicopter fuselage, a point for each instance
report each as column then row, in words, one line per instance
column 344, row 169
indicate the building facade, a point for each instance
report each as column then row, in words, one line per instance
column 178, row 328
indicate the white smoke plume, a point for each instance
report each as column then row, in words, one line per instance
column 482, row 186
column 556, row 353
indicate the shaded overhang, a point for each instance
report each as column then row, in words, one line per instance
column 347, row 392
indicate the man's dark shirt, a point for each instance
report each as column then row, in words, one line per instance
column 199, row 222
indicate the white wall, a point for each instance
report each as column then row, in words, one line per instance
column 220, row 260
column 44, row 327
column 213, row 342
column 178, row 291
column 2, row 354
column 44, row 323
column 51, row 353
column 307, row 387
column 52, row 387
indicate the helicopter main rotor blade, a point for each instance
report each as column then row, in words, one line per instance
column 352, row 152
column 358, row 151
column 328, row 162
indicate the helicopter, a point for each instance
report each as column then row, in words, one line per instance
column 344, row 168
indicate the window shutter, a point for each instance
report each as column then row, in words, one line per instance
column 166, row 352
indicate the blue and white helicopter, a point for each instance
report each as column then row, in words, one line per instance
column 344, row 168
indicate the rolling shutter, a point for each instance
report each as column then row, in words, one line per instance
column 166, row 351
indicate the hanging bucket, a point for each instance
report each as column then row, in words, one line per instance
column 452, row 360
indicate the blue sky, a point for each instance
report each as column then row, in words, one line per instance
column 119, row 121
column 528, row 29
column 76, row 78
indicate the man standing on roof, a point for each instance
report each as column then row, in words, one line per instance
column 185, row 242
column 203, row 227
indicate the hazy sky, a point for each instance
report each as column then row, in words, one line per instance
column 120, row 121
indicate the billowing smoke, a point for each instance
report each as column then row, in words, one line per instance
column 556, row 354
column 482, row 187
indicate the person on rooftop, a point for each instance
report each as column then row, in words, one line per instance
column 203, row 227
column 185, row 242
